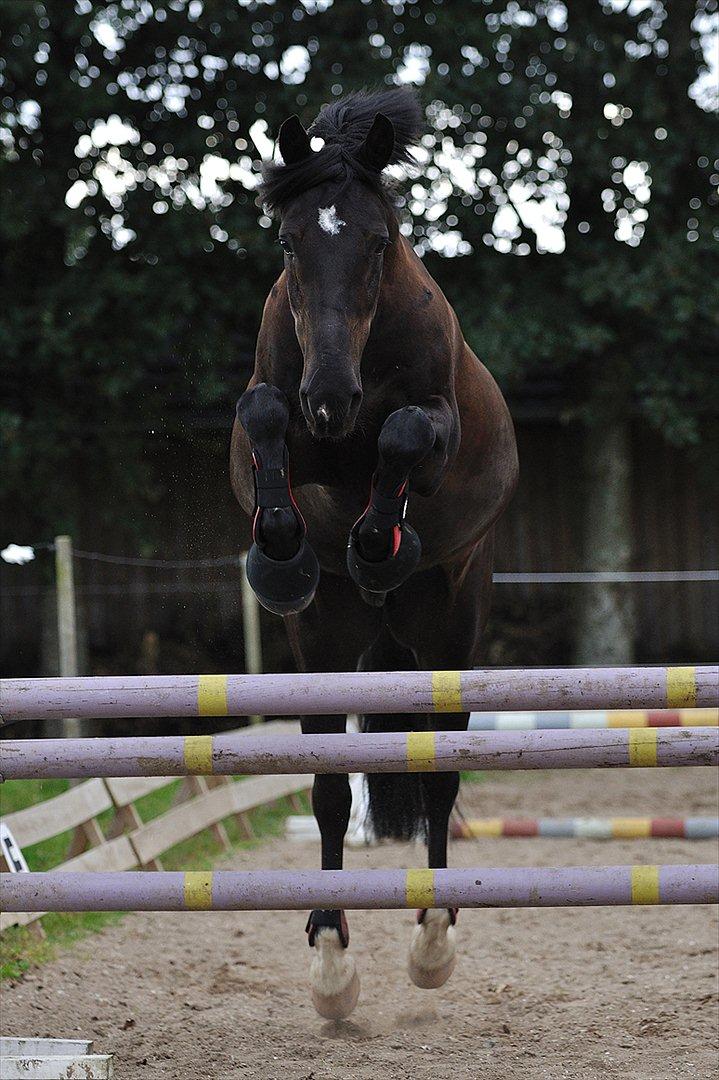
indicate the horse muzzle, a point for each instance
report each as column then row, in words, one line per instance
column 330, row 415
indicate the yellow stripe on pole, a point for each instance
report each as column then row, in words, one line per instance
column 421, row 751
column 198, row 754
column 631, row 827
column 419, row 888
column 212, row 695
column 645, row 884
column 699, row 718
column 643, row 747
column 198, row 890
column 681, row 687
column 626, row 718
column 446, row 691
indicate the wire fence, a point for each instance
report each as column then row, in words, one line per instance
column 551, row 577
column 204, row 587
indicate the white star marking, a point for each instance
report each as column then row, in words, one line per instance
column 328, row 220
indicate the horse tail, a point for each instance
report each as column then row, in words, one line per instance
column 396, row 803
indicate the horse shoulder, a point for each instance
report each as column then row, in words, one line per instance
column 488, row 449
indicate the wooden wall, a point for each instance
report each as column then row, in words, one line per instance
column 138, row 619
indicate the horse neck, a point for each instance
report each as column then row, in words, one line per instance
column 412, row 311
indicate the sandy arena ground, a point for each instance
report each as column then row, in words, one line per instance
column 541, row 995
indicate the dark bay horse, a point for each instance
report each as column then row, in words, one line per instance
column 402, row 454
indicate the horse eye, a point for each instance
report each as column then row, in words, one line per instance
column 285, row 244
column 381, row 246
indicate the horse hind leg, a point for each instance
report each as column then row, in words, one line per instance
column 433, row 948
column 334, row 982
column 442, row 622
column 329, row 636
column 403, row 805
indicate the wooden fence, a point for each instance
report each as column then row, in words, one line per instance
column 202, row 803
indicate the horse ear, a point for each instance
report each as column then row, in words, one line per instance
column 378, row 147
column 294, row 141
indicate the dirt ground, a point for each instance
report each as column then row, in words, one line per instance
column 541, row 995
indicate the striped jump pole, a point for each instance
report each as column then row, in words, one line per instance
column 360, row 691
column 381, row 752
column 292, row 890
column 598, row 718
column 589, row 828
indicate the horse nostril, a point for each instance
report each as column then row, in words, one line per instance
column 330, row 411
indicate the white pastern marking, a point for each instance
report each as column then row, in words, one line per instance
column 432, row 951
column 328, row 220
column 433, row 942
column 333, row 967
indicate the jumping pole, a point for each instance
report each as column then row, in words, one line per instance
column 292, row 890
column 588, row 828
column 360, row 691
column 376, row 752
column 596, row 718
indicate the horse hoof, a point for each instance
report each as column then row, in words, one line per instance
column 334, row 981
column 380, row 578
column 284, row 586
column 433, row 950
column 338, row 1006
column 431, row 978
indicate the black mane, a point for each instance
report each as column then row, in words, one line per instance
column 344, row 125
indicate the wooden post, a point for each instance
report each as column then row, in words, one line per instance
column 66, row 621
column 251, row 633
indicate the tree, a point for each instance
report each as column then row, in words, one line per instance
column 567, row 170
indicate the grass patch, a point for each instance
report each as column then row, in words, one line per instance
column 473, row 777
column 21, row 948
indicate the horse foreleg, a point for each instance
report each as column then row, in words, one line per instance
column 383, row 549
column 281, row 566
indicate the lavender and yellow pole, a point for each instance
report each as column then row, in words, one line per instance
column 363, row 691
column 289, row 890
column 414, row 751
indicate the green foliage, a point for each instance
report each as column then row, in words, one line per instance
column 134, row 302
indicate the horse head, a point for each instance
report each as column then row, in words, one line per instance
column 336, row 228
